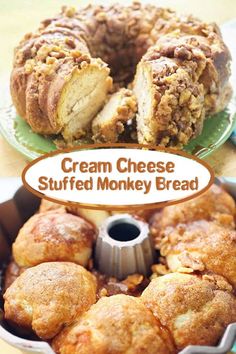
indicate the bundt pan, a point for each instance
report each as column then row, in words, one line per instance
column 110, row 254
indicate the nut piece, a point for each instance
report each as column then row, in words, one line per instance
column 201, row 246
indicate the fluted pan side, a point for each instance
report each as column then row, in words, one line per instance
column 124, row 247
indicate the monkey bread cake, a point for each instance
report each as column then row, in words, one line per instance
column 187, row 299
column 177, row 66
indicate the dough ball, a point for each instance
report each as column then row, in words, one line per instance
column 49, row 296
column 214, row 205
column 47, row 205
column 95, row 217
column 52, row 236
column 116, row 324
column 196, row 311
column 201, row 246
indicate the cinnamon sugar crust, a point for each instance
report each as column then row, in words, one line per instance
column 214, row 205
column 49, row 296
column 188, row 300
column 123, row 318
column 53, row 236
column 201, row 246
column 195, row 310
column 61, row 76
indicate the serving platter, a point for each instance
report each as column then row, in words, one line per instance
column 17, row 132
column 216, row 131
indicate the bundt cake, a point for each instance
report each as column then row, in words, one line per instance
column 62, row 73
column 189, row 299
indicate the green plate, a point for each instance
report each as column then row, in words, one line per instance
column 215, row 132
column 18, row 133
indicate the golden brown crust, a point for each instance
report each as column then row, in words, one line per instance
column 188, row 63
column 195, row 310
column 214, row 205
column 194, row 306
column 121, row 35
column 177, row 110
column 36, row 58
column 188, row 30
column 118, row 324
column 46, row 62
column 111, row 120
column 186, row 82
column 49, row 296
column 47, row 205
column 201, row 246
column 53, row 236
column 132, row 285
column 95, row 217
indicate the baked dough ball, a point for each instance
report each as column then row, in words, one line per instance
column 47, row 205
column 53, row 236
column 196, row 311
column 201, row 246
column 143, row 214
column 119, row 324
column 49, row 296
column 214, row 205
column 95, row 217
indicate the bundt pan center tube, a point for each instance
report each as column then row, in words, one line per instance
column 124, row 247
column 61, row 82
